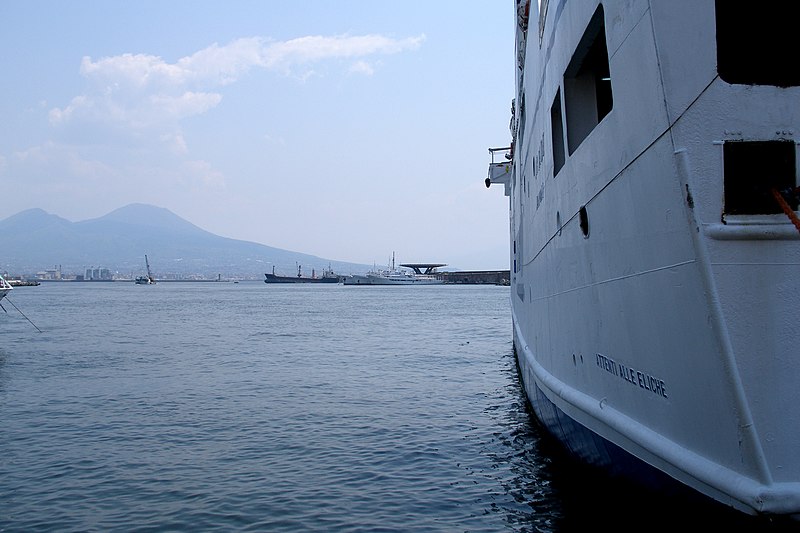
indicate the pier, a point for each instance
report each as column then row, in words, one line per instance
column 477, row 277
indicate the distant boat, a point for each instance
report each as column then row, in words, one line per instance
column 328, row 276
column 398, row 276
column 5, row 287
column 146, row 280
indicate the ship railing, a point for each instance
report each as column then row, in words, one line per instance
column 500, row 155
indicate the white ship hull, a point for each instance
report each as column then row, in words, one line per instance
column 653, row 283
column 398, row 276
column 377, row 279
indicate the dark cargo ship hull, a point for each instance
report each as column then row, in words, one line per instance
column 272, row 278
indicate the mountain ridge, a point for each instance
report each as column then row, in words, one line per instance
column 34, row 240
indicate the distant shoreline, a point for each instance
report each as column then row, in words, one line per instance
column 131, row 280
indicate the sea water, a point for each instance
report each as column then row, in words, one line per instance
column 220, row 406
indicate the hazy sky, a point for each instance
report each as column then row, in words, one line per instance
column 346, row 129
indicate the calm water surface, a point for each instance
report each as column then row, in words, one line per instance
column 253, row 407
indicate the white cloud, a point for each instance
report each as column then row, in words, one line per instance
column 62, row 115
column 201, row 176
column 362, row 67
column 131, row 72
column 223, row 64
column 183, row 105
column 176, row 142
column 141, row 91
column 48, row 165
column 316, row 48
column 124, row 131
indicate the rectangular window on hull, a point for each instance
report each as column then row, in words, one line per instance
column 587, row 83
column 752, row 170
column 757, row 44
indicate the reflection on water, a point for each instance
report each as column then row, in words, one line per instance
column 265, row 408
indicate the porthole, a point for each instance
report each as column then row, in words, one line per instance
column 584, row 219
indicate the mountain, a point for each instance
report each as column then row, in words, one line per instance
column 34, row 240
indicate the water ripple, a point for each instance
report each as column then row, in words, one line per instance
column 200, row 407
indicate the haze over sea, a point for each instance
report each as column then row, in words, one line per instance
column 253, row 407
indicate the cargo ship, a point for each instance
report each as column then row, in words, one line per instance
column 328, row 276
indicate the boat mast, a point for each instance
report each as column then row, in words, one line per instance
column 149, row 274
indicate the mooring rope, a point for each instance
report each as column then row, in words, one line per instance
column 786, row 207
column 23, row 314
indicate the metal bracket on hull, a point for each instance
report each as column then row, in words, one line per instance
column 500, row 172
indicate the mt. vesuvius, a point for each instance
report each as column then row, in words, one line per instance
column 34, row 240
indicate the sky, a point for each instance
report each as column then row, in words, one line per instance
column 346, row 129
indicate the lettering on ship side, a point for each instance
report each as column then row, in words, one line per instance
column 538, row 159
column 639, row 378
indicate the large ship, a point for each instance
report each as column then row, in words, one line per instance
column 407, row 274
column 328, row 276
column 655, row 245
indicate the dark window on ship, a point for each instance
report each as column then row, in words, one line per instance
column 757, row 45
column 587, row 83
column 583, row 216
column 752, row 170
column 557, row 133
